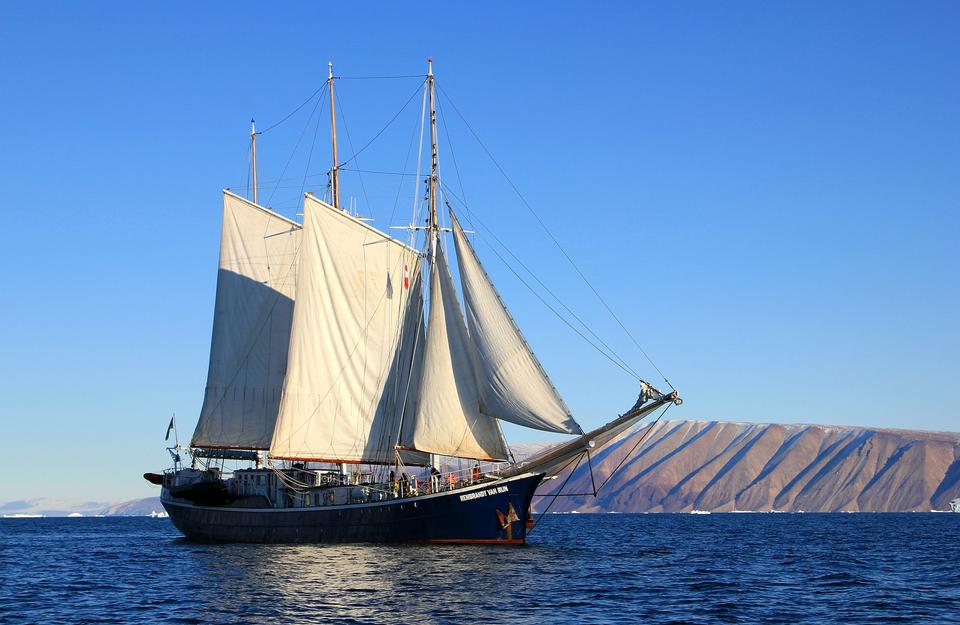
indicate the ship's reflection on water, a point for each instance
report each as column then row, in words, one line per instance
column 366, row 583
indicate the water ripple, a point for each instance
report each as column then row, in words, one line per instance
column 583, row 569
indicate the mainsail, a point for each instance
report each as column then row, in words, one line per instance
column 448, row 419
column 512, row 384
column 251, row 327
column 348, row 364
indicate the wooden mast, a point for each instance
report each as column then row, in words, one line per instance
column 434, row 229
column 335, row 173
column 434, row 224
column 253, row 155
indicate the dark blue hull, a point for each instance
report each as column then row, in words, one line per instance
column 477, row 514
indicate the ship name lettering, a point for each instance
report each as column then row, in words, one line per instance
column 483, row 493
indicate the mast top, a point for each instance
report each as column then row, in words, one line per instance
column 429, row 66
column 330, row 70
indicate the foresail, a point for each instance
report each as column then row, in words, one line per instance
column 342, row 400
column 512, row 384
column 401, row 398
column 256, row 284
column 448, row 420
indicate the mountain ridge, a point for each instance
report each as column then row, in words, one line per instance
column 741, row 466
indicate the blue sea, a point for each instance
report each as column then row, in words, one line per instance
column 613, row 568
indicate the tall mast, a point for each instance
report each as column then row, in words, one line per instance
column 434, row 225
column 253, row 154
column 335, row 173
column 434, row 229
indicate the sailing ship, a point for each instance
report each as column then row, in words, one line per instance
column 341, row 392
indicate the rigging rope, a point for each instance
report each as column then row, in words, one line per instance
column 560, row 493
column 559, row 316
column 406, row 161
column 290, row 482
column 382, row 130
column 417, row 206
column 556, row 242
column 616, row 357
column 378, row 77
column 294, row 111
column 596, row 489
column 313, row 145
column 375, row 171
column 297, row 145
column 552, row 501
column 610, row 354
column 634, row 448
column 346, row 128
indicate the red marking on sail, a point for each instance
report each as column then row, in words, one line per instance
column 406, row 277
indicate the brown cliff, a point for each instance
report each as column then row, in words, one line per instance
column 725, row 466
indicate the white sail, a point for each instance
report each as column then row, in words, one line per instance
column 251, row 327
column 512, row 384
column 448, row 420
column 343, row 371
column 401, row 397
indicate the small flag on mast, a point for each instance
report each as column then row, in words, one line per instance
column 170, row 427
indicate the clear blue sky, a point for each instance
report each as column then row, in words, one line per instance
column 766, row 192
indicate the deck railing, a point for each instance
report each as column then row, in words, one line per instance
column 412, row 486
column 402, row 486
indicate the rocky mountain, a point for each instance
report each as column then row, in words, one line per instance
column 136, row 507
column 42, row 506
column 723, row 466
column 51, row 507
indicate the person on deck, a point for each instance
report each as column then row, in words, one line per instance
column 475, row 474
column 434, row 480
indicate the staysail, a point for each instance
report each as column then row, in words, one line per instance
column 448, row 420
column 512, row 384
column 341, row 399
column 256, row 284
